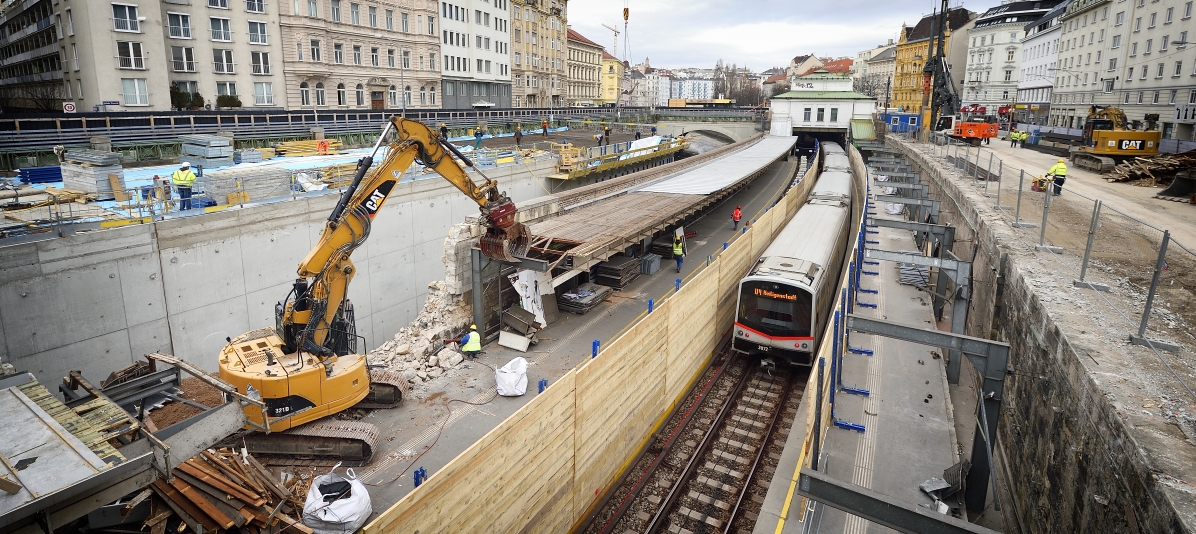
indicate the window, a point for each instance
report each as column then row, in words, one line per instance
column 1145, row 71
column 1112, row 63
column 1191, row 96
column 338, row 53
column 182, row 58
column 1116, row 41
column 1170, row 15
column 390, row 19
column 390, row 58
column 479, row 66
column 1153, row 16
column 255, row 6
column 124, row 19
column 320, row 94
column 70, row 24
column 479, row 41
column 1174, row 93
column 1155, row 98
column 821, row 114
column 1109, row 86
column 1133, row 49
column 130, row 55
column 222, row 4
column 407, row 95
column 1138, row 24
column 75, row 56
column 1183, row 40
column 834, row 114
column 354, row 14
column 406, row 59
column 336, row 10
column 1188, row 10
column 374, row 57
column 1159, row 73
column 423, row 96
column 340, row 94
column 373, row 17
column 1179, row 68
column 1008, row 75
column 1119, row 19
column 360, row 95
column 404, row 23
column 257, row 32
column 299, row 51
column 432, row 61
column 260, row 62
column 263, row 93
column 1127, row 98
column 311, row 9
column 135, row 91
column 179, row 25
column 304, row 94
column 431, row 25
column 1140, row 95
column 393, row 95
column 315, row 50
column 1166, row 40
column 222, row 61
column 356, row 55
column 1149, row 45
column 1129, row 77
column 221, row 30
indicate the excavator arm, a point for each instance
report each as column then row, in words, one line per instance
column 315, row 320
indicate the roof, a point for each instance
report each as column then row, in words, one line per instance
column 573, row 35
column 887, row 54
column 823, row 74
column 1057, row 11
column 836, row 66
column 606, row 55
column 636, row 74
column 798, row 60
column 1015, row 12
column 775, row 78
column 956, row 18
column 823, row 95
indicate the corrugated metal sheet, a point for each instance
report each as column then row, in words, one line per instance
column 862, row 130
column 723, row 172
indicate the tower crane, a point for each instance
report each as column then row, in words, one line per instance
column 615, row 51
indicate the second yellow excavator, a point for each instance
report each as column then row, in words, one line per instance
column 1108, row 141
column 307, row 366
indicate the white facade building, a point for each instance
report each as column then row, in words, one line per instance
column 1036, row 73
column 475, row 47
column 821, row 102
column 694, row 88
column 994, row 53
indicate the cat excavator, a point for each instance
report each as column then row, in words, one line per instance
column 306, row 367
column 1108, row 140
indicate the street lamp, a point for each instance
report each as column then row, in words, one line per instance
column 403, row 63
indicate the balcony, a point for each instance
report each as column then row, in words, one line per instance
column 257, row 38
column 130, row 62
column 183, row 66
column 261, row 70
column 221, row 67
column 126, row 25
column 180, row 32
column 222, row 35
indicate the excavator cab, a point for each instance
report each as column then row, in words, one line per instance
column 1092, row 125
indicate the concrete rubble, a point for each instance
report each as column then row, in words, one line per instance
column 427, row 348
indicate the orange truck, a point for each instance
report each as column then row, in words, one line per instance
column 973, row 129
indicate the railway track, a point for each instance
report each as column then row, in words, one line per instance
column 709, row 468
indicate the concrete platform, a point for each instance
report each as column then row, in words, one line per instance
column 909, row 432
column 434, row 425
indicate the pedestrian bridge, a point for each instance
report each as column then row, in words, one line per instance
column 733, row 131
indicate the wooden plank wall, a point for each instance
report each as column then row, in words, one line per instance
column 547, row 466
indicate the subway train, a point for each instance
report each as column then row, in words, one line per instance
column 785, row 302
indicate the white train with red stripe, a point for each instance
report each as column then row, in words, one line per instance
column 785, row 302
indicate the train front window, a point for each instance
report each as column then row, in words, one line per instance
column 775, row 309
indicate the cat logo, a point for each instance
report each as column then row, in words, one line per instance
column 377, row 197
column 1131, row 144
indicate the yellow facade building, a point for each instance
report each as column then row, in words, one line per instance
column 612, row 79
column 914, row 45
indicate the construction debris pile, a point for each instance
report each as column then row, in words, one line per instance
column 225, row 490
column 1152, row 172
column 427, row 348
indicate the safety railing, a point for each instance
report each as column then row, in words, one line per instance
column 1130, row 264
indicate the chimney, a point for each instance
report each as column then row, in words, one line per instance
column 890, row 42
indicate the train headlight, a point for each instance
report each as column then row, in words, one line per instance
column 805, row 345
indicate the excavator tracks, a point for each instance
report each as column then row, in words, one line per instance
column 324, row 442
column 1093, row 163
column 387, row 389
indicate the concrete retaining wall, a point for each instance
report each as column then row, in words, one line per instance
column 97, row 301
column 1074, row 461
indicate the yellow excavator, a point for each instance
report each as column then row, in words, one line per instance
column 306, row 367
column 1108, row 141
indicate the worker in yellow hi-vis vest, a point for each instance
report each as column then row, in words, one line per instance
column 1059, row 173
column 184, row 180
column 471, row 344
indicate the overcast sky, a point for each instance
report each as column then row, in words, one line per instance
column 755, row 33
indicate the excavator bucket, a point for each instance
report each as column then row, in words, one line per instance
column 505, row 239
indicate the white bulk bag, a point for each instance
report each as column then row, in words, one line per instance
column 511, row 379
column 341, row 516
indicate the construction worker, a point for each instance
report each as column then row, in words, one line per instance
column 471, row 344
column 736, row 215
column 637, row 135
column 184, row 180
column 653, row 130
column 1021, row 138
column 477, row 138
column 1013, row 138
column 606, row 134
column 597, row 139
column 1059, row 173
column 678, row 251
column 544, row 127
column 518, row 137
column 444, row 131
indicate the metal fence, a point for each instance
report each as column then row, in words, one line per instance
column 1132, row 266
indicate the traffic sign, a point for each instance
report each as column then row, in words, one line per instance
column 68, row 107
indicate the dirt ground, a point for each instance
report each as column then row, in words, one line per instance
column 195, row 390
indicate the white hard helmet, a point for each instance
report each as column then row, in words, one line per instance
column 186, row 164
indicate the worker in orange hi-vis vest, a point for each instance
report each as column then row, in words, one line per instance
column 736, row 215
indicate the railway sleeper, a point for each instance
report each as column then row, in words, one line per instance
column 759, row 402
column 745, row 433
column 713, row 483
column 699, row 517
column 748, row 422
column 709, row 501
column 724, row 470
column 731, row 456
column 730, row 443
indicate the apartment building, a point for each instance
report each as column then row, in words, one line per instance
column 916, row 43
column 877, row 78
column 475, row 42
column 1133, row 54
column 859, row 67
column 612, row 73
column 538, row 58
column 125, row 55
column 1036, row 71
column 584, row 65
column 358, row 54
column 994, row 52
column 694, row 88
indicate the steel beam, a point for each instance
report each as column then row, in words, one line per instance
column 934, row 204
column 880, row 508
column 990, row 358
column 947, row 264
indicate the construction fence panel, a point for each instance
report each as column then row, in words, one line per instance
column 619, row 401
column 733, row 263
column 693, row 331
column 481, row 491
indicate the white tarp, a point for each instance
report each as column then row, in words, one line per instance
column 527, row 285
column 511, row 379
column 641, row 143
column 342, row 512
column 724, row 171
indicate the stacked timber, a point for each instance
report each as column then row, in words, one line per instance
column 267, row 153
column 617, row 272
column 220, row 490
column 1154, row 171
column 309, row 148
column 93, row 179
column 210, row 151
column 257, row 182
column 583, row 298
